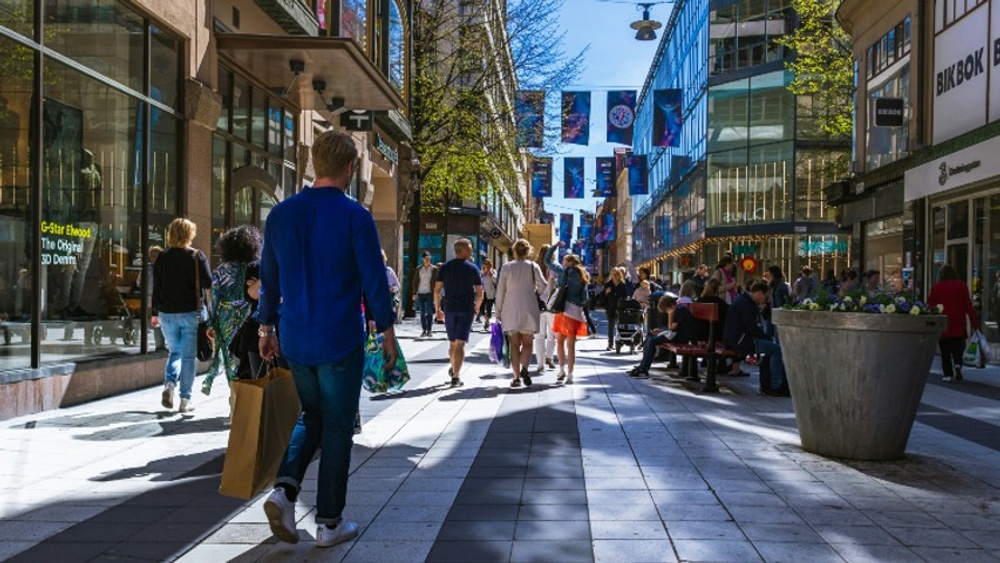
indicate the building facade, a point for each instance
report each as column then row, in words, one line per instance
column 119, row 116
column 930, row 188
column 748, row 173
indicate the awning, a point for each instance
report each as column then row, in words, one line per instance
column 338, row 61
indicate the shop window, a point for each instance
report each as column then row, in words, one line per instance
column 883, row 246
column 16, row 295
column 226, row 91
column 888, row 144
column 91, row 233
column 771, row 108
column 728, row 115
column 220, row 179
column 241, row 108
column 397, row 47
column 814, row 170
column 164, row 76
column 354, row 21
column 19, row 16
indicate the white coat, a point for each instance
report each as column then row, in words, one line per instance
column 520, row 284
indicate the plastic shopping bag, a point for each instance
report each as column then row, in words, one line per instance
column 505, row 357
column 496, row 343
column 971, row 355
column 984, row 348
column 376, row 378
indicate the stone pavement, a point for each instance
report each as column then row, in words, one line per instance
column 608, row 469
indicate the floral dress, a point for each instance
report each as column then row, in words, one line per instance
column 230, row 308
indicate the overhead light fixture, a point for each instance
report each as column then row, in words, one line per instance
column 645, row 29
column 335, row 105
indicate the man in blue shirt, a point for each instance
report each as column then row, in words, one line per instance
column 463, row 294
column 321, row 256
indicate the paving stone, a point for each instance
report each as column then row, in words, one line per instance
column 634, row 551
column 716, row 550
column 796, row 552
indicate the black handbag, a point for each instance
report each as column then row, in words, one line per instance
column 557, row 301
column 205, row 349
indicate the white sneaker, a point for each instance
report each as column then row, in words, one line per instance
column 281, row 516
column 569, row 379
column 186, row 406
column 329, row 537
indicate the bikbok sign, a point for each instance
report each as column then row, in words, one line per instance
column 966, row 90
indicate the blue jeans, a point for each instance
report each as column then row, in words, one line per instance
column 329, row 394
column 650, row 348
column 180, row 333
column 425, row 309
column 773, row 349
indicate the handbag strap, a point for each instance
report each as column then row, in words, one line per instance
column 197, row 281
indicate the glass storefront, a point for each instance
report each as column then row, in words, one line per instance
column 883, row 244
column 99, row 169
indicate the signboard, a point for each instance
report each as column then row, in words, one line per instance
column 357, row 121
column 959, row 168
column 889, row 112
column 960, row 81
column 748, row 264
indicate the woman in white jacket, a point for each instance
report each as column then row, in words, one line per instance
column 517, row 308
column 545, row 339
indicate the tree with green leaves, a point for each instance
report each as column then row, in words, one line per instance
column 822, row 67
column 468, row 63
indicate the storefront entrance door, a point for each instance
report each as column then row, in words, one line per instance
column 253, row 196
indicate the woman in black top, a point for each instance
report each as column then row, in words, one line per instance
column 614, row 290
column 178, row 274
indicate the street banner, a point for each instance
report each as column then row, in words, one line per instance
column 607, row 231
column 637, row 175
column 621, row 116
column 605, row 177
column 566, row 227
column 529, row 115
column 586, row 227
column 573, row 178
column 621, row 159
column 665, row 234
column 667, row 118
column 576, row 118
column 541, row 177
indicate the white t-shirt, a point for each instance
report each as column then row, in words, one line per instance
column 424, row 286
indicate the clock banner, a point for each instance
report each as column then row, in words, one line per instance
column 667, row 118
column 566, row 227
column 541, row 177
column 621, row 116
column 605, row 177
column 637, row 175
column 573, row 178
column 529, row 114
column 576, row 118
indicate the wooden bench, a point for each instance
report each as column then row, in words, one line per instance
column 710, row 349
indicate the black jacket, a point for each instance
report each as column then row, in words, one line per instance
column 174, row 280
column 743, row 325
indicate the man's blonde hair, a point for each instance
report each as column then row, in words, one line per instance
column 463, row 243
column 332, row 152
column 181, row 233
column 521, row 248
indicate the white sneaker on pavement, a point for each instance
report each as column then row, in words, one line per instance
column 186, row 406
column 281, row 516
column 167, row 400
column 329, row 537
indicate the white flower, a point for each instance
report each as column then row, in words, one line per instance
column 881, row 308
column 833, row 306
column 915, row 310
column 940, row 308
column 863, row 300
column 807, row 301
column 890, row 308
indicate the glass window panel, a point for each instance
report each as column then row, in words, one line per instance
column 722, row 40
column 164, row 173
column 290, row 138
column 354, row 21
column 92, row 230
column 225, row 90
column 164, row 77
column 16, row 294
column 814, row 170
column 18, row 15
column 884, row 250
column 105, row 35
column 241, row 107
column 275, row 144
column 769, row 188
column 258, row 121
column 220, row 177
column 290, row 185
column 726, row 188
column 772, row 115
column 728, row 117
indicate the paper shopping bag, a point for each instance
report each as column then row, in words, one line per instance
column 264, row 416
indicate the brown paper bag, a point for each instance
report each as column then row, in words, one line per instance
column 263, row 419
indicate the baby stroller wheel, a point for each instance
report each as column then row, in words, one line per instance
column 128, row 338
column 96, row 335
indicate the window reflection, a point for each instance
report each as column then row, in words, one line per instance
column 397, row 47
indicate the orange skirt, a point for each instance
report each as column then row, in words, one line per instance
column 569, row 326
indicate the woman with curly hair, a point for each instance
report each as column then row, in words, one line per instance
column 235, row 288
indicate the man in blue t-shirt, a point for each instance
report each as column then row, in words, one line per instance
column 463, row 293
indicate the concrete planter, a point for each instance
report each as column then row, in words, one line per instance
column 856, row 378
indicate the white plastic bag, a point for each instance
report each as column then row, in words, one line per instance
column 984, row 348
column 971, row 355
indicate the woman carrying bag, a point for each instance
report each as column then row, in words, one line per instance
column 517, row 308
column 953, row 294
column 570, row 323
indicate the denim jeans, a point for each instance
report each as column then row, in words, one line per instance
column 650, row 348
column 180, row 333
column 773, row 349
column 329, row 394
column 425, row 309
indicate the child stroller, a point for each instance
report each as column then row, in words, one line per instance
column 629, row 326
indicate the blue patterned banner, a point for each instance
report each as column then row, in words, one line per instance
column 573, row 178
column 576, row 118
column 566, row 227
column 605, row 177
column 541, row 177
column 586, row 233
column 637, row 175
column 668, row 118
column 529, row 115
column 621, row 116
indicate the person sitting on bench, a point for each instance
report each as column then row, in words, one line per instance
column 679, row 327
column 744, row 334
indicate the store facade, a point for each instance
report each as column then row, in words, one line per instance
column 115, row 118
column 748, row 173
